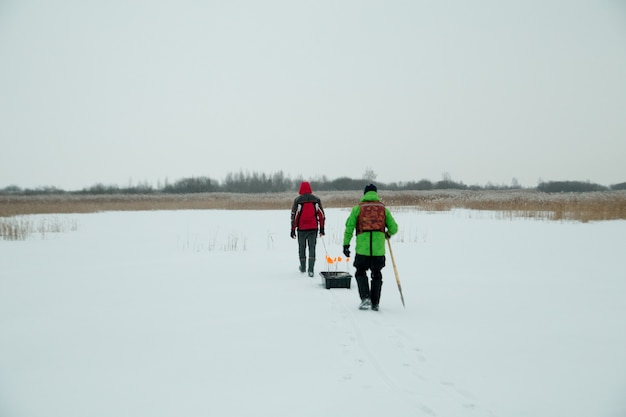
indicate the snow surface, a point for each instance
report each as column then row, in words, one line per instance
column 204, row 313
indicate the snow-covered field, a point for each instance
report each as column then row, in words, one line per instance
column 204, row 313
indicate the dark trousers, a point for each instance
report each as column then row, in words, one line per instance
column 374, row 263
column 307, row 238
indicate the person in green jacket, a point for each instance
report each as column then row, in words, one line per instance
column 373, row 224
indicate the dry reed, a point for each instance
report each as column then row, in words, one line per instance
column 583, row 207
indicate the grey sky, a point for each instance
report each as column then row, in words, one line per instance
column 485, row 91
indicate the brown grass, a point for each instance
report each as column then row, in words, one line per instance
column 20, row 227
column 583, row 207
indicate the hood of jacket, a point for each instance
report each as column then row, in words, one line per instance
column 370, row 196
column 305, row 188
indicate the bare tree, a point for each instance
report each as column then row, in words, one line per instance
column 369, row 174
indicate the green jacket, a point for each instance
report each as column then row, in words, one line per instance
column 369, row 243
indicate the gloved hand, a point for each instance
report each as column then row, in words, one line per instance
column 346, row 250
column 293, row 234
column 322, row 232
column 387, row 235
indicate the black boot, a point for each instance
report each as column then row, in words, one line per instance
column 302, row 264
column 375, row 293
column 311, row 266
column 363, row 284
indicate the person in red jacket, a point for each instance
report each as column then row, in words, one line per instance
column 307, row 217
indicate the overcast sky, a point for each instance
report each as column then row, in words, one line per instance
column 123, row 92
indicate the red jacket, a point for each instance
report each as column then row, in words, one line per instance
column 307, row 212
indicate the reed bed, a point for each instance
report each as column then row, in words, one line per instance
column 583, row 207
column 22, row 226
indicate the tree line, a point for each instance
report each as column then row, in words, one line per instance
column 277, row 182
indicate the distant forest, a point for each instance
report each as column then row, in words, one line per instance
column 277, row 182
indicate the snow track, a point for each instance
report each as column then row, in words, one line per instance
column 398, row 365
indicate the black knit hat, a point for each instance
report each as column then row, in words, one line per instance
column 370, row 187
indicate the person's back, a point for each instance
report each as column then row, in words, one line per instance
column 373, row 223
column 306, row 211
column 307, row 215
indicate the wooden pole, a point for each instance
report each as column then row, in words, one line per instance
column 395, row 271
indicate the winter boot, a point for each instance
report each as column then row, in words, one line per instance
column 363, row 284
column 365, row 304
column 311, row 266
column 375, row 291
column 302, row 264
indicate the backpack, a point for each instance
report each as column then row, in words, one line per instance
column 307, row 216
column 371, row 217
